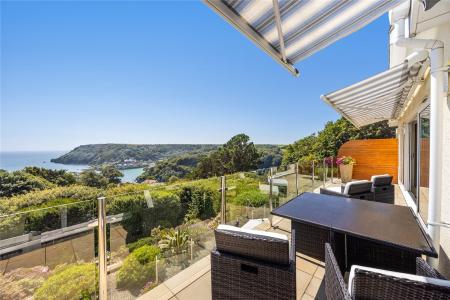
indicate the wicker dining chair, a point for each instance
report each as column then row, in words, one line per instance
column 250, row 265
column 367, row 283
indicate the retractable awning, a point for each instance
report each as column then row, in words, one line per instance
column 291, row 30
column 377, row 98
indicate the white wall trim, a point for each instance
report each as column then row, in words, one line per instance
column 410, row 202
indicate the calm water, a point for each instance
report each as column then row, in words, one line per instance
column 13, row 161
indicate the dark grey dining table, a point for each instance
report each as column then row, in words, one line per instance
column 360, row 232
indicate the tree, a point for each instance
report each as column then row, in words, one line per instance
column 237, row 155
column 112, row 174
column 19, row 182
column 58, row 177
column 91, row 178
column 331, row 138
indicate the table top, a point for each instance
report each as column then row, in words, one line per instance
column 381, row 222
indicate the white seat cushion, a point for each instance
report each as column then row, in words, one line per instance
column 253, row 232
column 378, row 176
column 440, row 282
column 336, row 189
column 349, row 184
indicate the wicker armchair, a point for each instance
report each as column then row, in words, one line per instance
column 247, row 265
column 355, row 189
column 382, row 188
column 376, row 284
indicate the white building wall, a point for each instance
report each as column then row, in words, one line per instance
column 442, row 32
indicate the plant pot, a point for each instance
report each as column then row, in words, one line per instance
column 346, row 172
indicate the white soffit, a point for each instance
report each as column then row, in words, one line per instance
column 291, row 30
column 377, row 98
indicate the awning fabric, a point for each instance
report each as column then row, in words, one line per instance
column 377, row 98
column 291, row 30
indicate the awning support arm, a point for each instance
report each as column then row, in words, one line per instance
column 223, row 10
column 276, row 11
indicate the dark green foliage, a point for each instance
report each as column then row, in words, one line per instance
column 138, row 268
column 93, row 179
column 139, row 219
column 150, row 240
column 237, row 155
column 197, row 203
column 19, row 182
column 253, row 198
column 207, row 164
column 98, row 154
column 50, row 219
column 328, row 141
column 74, row 281
column 112, row 174
column 146, row 254
column 177, row 167
column 58, row 177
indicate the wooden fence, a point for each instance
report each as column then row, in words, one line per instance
column 373, row 157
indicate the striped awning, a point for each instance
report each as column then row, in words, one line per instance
column 377, row 98
column 291, row 30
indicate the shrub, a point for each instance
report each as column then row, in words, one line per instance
column 141, row 242
column 139, row 219
column 175, row 241
column 75, row 281
column 19, row 182
column 196, row 203
column 58, row 177
column 138, row 268
column 146, row 254
column 76, row 192
column 49, row 218
column 251, row 198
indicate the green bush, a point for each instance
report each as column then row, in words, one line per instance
column 58, row 177
column 139, row 219
column 19, row 182
column 150, row 240
column 138, row 268
column 253, row 198
column 75, row 281
column 146, row 253
column 47, row 219
column 197, row 203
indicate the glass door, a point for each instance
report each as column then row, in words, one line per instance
column 413, row 160
column 424, row 162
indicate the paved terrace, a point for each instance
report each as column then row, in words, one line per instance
column 194, row 283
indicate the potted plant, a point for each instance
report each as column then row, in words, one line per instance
column 345, row 164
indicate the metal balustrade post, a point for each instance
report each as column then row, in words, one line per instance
column 324, row 172
column 156, row 269
column 103, row 287
column 332, row 168
column 270, row 190
column 223, row 205
column 296, row 178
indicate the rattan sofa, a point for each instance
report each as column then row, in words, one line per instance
column 367, row 283
column 355, row 189
column 249, row 265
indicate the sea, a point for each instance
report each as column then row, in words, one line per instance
column 13, row 161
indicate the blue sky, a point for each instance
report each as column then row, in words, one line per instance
column 160, row 72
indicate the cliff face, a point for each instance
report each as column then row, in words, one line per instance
column 97, row 154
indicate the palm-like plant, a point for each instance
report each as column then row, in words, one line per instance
column 175, row 241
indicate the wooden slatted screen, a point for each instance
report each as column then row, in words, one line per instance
column 373, row 157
